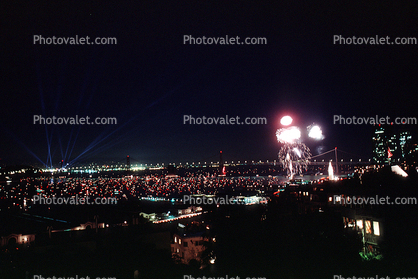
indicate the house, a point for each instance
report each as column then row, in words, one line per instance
column 188, row 247
column 149, row 216
column 18, row 239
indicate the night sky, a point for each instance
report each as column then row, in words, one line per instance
column 150, row 79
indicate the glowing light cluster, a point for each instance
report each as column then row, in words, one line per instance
column 315, row 132
column 288, row 135
column 286, row 120
column 295, row 155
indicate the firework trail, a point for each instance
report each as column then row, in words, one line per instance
column 294, row 157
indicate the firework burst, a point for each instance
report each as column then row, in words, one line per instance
column 294, row 158
column 295, row 155
column 288, row 135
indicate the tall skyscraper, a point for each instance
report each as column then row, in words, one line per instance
column 405, row 139
column 381, row 145
column 391, row 144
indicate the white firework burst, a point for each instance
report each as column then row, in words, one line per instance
column 288, row 135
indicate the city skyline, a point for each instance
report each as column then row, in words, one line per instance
column 208, row 139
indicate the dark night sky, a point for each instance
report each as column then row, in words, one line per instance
column 150, row 79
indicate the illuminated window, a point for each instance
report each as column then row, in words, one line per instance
column 330, row 199
column 368, row 227
column 360, row 224
column 175, row 239
column 179, row 240
column 376, row 228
